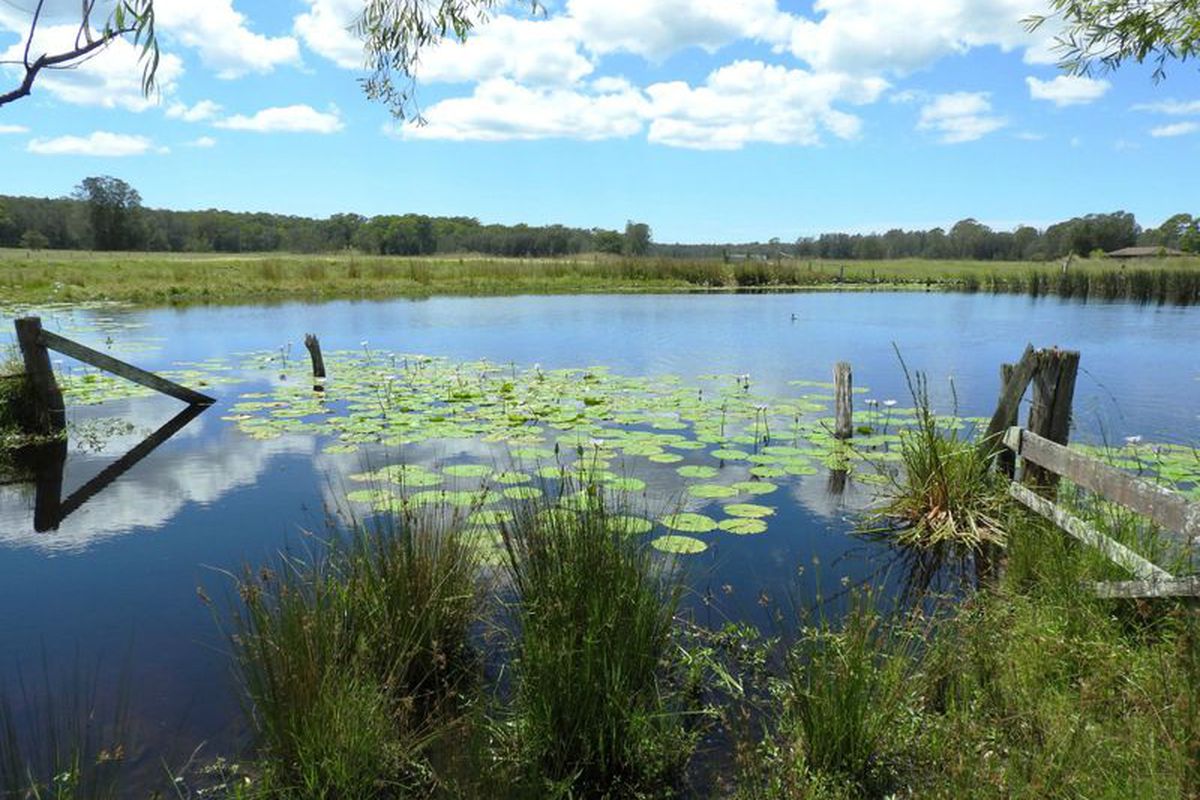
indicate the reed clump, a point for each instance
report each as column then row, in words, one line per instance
column 352, row 661
column 946, row 491
column 599, row 708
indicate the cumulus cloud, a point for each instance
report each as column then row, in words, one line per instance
column 99, row 143
column 285, row 119
column 656, row 30
column 749, row 101
column 902, row 36
column 532, row 52
column 1174, row 108
column 325, row 29
column 1068, row 90
column 959, row 117
column 13, row 129
column 200, row 112
column 500, row 109
column 1175, row 129
column 222, row 37
column 202, row 142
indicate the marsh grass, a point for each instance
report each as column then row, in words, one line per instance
column 352, row 660
column 843, row 692
column 195, row 277
column 598, row 708
column 945, row 491
column 65, row 741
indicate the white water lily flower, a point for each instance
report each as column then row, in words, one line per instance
column 1133, row 440
column 889, row 403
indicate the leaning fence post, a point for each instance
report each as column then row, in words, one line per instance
column 1050, row 412
column 843, row 389
column 314, row 351
column 50, row 411
column 1006, row 460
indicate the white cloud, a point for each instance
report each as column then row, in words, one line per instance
column 532, row 52
column 203, row 142
column 325, row 29
column 200, row 112
column 1175, row 129
column 959, row 117
column 1029, row 136
column 655, row 30
column 285, row 119
column 111, row 79
column 742, row 103
column 500, row 109
column 13, row 129
column 100, row 143
column 749, row 101
column 902, row 36
column 222, row 37
column 1068, row 90
column 1174, row 108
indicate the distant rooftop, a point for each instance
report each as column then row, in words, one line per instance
column 1144, row 252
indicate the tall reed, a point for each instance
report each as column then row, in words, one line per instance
column 348, row 658
column 598, row 710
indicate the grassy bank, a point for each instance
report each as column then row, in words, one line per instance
column 157, row 278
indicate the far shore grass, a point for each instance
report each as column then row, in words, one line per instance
column 28, row 277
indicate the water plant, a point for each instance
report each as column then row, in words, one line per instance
column 946, row 491
column 598, row 709
column 68, row 741
column 352, row 657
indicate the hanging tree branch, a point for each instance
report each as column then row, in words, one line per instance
column 131, row 18
column 1103, row 34
column 394, row 32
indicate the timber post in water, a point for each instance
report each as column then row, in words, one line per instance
column 318, row 361
column 50, row 413
column 1006, row 460
column 36, row 342
column 844, row 410
column 1050, row 413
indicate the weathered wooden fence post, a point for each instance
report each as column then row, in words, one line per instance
column 50, row 412
column 1050, row 414
column 843, row 390
column 314, row 351
column 1006, row 460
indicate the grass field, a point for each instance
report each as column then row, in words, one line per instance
column 168, row 278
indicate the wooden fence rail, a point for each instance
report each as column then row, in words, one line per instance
column 1172, row 512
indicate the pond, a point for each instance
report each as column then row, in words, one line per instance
column 644, row 388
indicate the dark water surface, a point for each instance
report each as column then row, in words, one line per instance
column 116, row 583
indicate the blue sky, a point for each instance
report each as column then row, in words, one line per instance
column 712, row 120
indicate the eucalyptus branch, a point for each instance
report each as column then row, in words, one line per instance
column 131, row 18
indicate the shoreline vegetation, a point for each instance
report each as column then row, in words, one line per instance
column 152, row 279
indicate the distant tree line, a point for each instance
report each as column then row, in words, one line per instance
column 105, row 213
column 971, row 240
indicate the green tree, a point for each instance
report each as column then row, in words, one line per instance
column 34, row 240
column 114, row 212
column 637, row 238
column 1107, row 33
column 608, row 241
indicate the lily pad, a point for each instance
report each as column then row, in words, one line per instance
column 748, row 510
column 755, row 487
column 679, row 545
column 690, row 522
column 468, row 470
column 697, row 471
column 743, row 526
column 711, row 490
